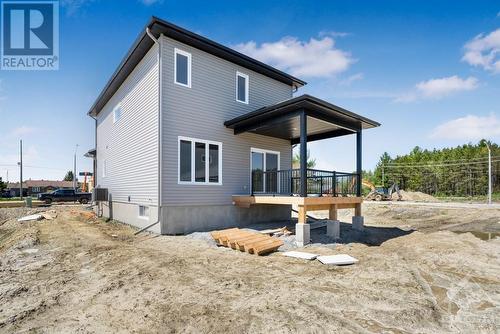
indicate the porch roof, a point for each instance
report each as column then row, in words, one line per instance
column 282, row 120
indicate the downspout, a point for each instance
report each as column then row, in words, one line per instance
column 160, row 128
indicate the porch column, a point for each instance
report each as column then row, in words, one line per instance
column 358, row 219
column 303, row 154
column 359, row 168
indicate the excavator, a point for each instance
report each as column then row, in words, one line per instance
column 381, row 193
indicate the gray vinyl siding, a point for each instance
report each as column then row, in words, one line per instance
column 130, row 146
column 200, row 112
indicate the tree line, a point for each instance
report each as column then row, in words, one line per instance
column 457, row 171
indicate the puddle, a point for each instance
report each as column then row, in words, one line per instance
column 481, row 235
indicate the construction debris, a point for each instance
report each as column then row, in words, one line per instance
column 30, row 218
column 301, row 255
column 49, row 215
column 246, row 241
column 277, row 232
column 337, row 260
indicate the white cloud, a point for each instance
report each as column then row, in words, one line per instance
column 484, row 51
column 470, row 127
column 439, row 88
column 313, row 58
column 349, row 80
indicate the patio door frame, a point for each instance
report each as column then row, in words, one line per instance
column 264, row 152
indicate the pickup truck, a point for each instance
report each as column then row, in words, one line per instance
column 65, row 195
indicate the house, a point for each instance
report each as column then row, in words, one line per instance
column 197, row 136
column 35, row 187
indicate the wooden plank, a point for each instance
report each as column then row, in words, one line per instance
column 222, row 237
column 264, row 249
column 250, row 247
column 216, row 234
column 331, row 200
column 318, row 207
column 246, row 201
column 224, row 240
column 241, row 243
column 242, row 237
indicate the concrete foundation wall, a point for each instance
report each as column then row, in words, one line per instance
column 128, row 213
column 187, row 219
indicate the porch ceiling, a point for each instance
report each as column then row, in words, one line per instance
column 282, row 120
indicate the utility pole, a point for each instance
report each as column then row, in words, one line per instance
column 21, row 168
column 489, row 173
column 74, row 168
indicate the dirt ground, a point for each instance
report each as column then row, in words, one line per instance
column 414, row 275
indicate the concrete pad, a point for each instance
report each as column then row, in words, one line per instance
column 358, row 223
column 333, row 229
column 337, row 260
column 302, row 234
column 301, row 255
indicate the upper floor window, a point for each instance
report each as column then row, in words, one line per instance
column 200, row 161
column 241, row 87
column 117, row 113
column 182, row 68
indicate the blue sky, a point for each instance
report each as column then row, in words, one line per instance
column 429, row 71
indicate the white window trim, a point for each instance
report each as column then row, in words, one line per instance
column 259, row 150
column 207, row 165
column 139, row 213
column 188, row 55
column 247, row 84
column 118, row 106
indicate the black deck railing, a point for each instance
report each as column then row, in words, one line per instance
column 319, row 182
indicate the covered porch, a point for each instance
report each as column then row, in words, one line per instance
column 302, row 120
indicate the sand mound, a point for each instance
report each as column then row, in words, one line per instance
column 415, row 196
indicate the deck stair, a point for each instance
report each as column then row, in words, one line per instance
column 246, row 241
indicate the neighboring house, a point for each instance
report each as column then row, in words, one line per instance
column 35, row 187
column 185, row 125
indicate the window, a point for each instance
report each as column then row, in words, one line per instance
column 143, row 211
column 182, row 68
column 200, row 161
column 117, row 113
column 241, row 87
column 264, row 161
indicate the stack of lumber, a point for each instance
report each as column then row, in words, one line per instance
column 246, row 241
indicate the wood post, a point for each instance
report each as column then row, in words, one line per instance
column 302, row 215
column 357, row 209
column 332, row 212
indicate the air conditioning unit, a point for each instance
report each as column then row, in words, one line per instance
column 100, row 194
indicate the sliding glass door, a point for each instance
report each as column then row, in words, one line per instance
column 264, row 161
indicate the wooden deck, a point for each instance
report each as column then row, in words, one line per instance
column 332, row 204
